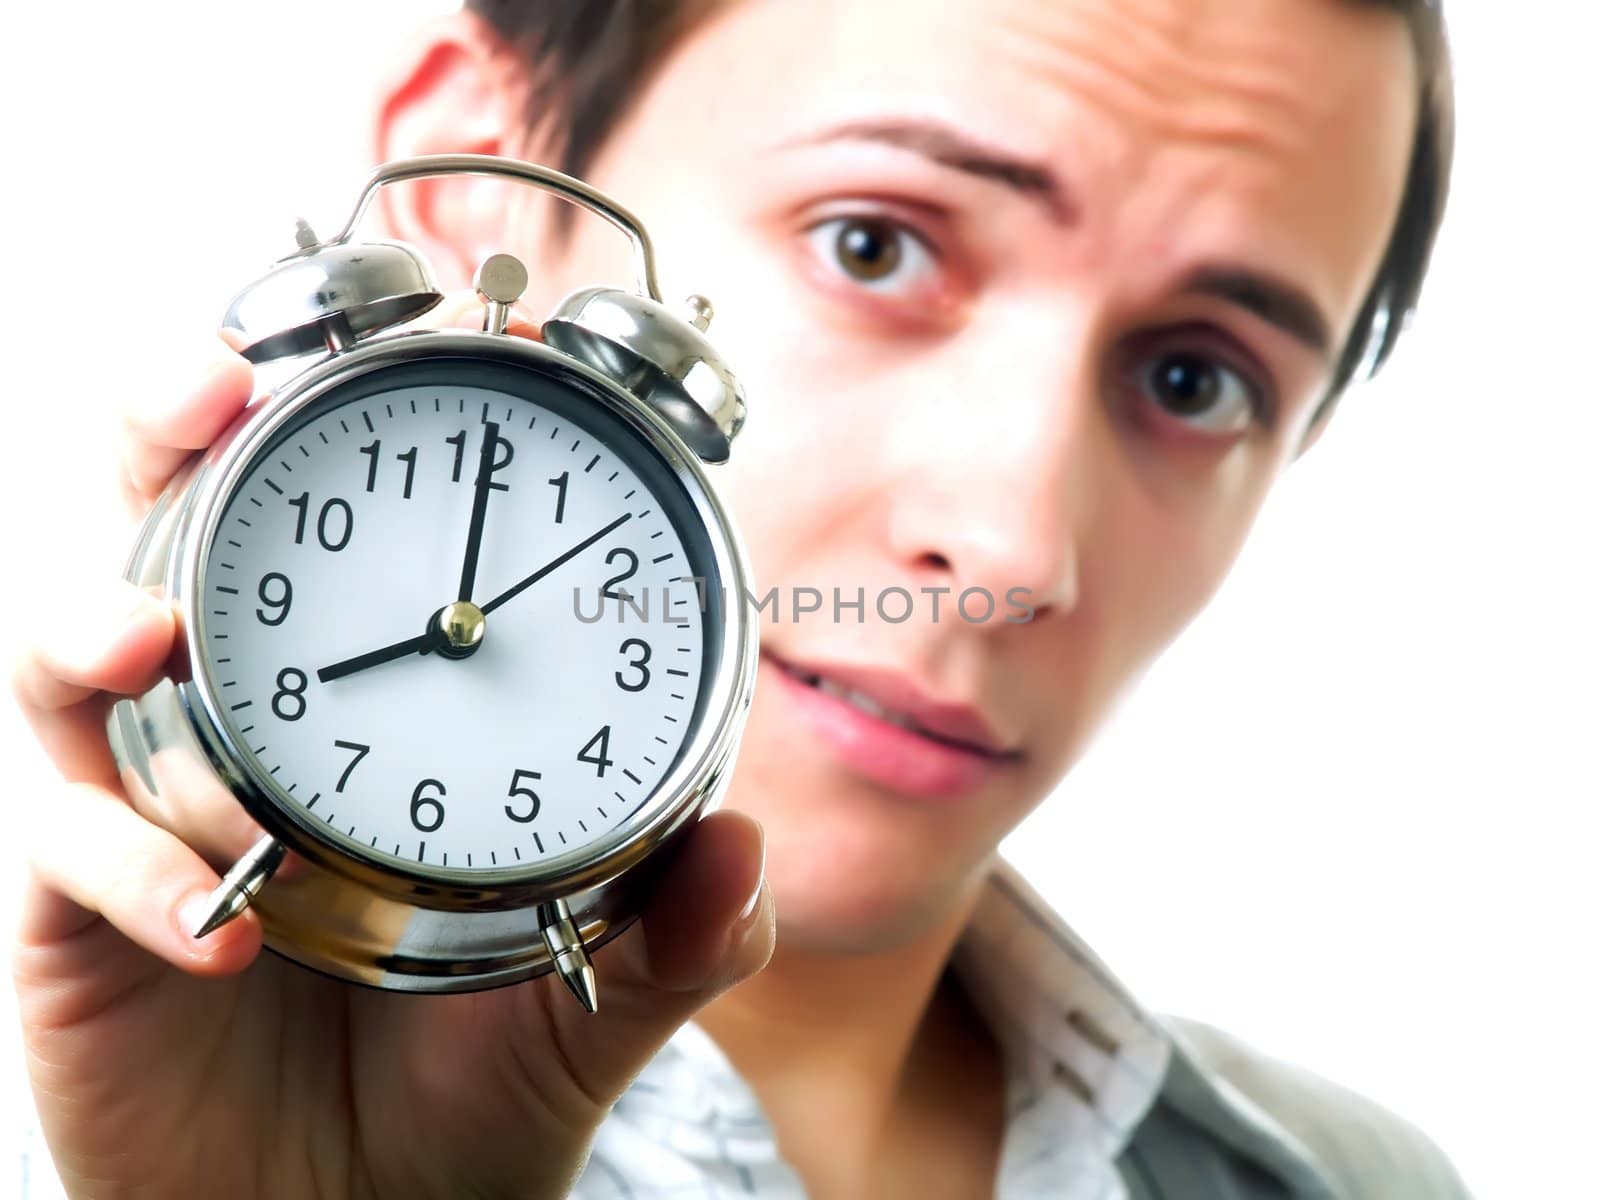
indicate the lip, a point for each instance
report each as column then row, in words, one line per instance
column 959, row 753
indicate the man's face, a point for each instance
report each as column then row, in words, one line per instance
column 1024, row 294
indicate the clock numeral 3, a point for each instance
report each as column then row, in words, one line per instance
column 421, row 804
column 637, row 663
column 518, row 790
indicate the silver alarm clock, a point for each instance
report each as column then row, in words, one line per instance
column 466, row 626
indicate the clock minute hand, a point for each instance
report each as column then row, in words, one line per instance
column 420, row 644
column 517, row 588
column 480, row 505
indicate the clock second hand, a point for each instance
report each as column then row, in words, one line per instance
column 517, row 588
column 430, row 640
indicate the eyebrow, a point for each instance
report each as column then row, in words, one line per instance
column 960, row 151
column 1275, row 301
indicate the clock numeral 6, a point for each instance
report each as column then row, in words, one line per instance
column 282, row 602
column 638, row 664
column 430, row 804
column 289, row 701
column 335, row 514
column 518, row 790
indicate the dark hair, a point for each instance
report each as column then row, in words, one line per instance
column 590, row 60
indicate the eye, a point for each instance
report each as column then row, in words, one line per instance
column 1199, row 391
column 872, row 252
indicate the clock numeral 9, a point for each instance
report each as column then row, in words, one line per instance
column 289, row 701
column 421, row 803
column 637, row 663
column 518, row 790
column 282, row 602
column 339, row 510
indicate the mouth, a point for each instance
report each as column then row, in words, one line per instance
column 883, row 725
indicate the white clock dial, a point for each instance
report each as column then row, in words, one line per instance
column 344, row 538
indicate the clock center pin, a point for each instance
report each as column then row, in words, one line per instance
column 462, row 625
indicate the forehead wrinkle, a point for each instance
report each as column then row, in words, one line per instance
column 1228, row 83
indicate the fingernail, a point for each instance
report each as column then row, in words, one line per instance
column 193, row 912
column 761, row 875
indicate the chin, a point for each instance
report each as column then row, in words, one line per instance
column 852, row 882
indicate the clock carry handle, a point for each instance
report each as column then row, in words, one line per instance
column 547, row 179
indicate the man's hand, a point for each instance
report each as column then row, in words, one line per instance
column 175, row 1067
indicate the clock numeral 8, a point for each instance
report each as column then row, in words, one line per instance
column 289, row 701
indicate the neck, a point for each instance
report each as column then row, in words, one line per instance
column 829, row 1040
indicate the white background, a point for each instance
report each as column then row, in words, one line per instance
column 1350, row 816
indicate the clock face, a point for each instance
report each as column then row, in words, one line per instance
column 547, row 705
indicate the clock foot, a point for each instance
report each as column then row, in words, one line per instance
column 567, row 952
column 243, row 880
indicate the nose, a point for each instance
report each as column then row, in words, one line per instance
column 997, row 495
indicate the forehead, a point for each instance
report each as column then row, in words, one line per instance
column 1274, row 129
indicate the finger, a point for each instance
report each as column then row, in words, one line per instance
column 707, row 925
column 162, row 429
column 91, row 857
column 109, row 637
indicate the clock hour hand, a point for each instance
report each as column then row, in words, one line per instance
column 420, row 644
column 516, row 588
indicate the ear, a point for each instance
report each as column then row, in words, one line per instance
column 455, row 88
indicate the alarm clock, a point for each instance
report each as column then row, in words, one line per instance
column 467, row 645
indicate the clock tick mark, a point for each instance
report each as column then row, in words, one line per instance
column 312, row 803
column 661, row 558
column 324, row 438
column 231, row 591
column 275, row 769
column 246, row 729
column 562, row 836
column 245, row 523
column 510, row 412
column 581, row 826
column 662, row 740
column 235, row 544
column 241, row 704
column 493, row 862
column 555, row 429
column 256, row 502
column 601, row 811
column 413, row 407
column 485, row 417
column 575, row 445
column 273, row 486
column 422, row 848
column 304, row 453
column 518, row 853
column 537, row 841
column 330, row 818
column 343, row 426
column 592, row 462
column 628, row 495
column 389, row 408
column 649, row 760
column 612, row 476
column 657, row 534
column 676, row 695
column 284, row 464
column 644, row 514
column 678, row 670
column 631, row 775
column 367, row 421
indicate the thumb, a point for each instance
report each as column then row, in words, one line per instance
column 707, row 925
